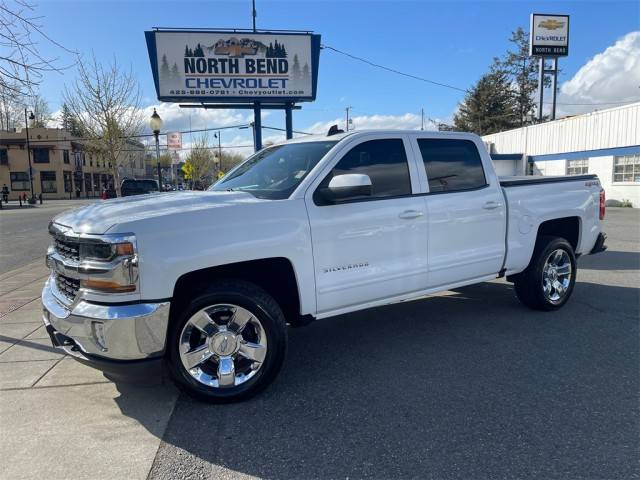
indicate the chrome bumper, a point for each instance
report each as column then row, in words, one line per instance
column 113, row 332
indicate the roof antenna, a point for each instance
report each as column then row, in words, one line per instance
column 334, row 130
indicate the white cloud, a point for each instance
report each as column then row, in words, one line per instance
column 610, row 76
column 179, row 119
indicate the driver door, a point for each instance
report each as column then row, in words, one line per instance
column 371, row 248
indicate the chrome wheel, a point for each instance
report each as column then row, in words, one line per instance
column 556, row 275
column 223, row 346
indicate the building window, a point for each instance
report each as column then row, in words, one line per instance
column 578, row 167
column 40, row 155
column 4, row 156
column 19, row 180
column 626, row 169
column 48, row 182
column 96, row 182
column 68, row 187
column 65, row 156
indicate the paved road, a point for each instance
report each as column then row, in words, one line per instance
column 465, row 385
column 23, row 232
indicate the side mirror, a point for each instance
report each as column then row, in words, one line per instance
column 347, row 187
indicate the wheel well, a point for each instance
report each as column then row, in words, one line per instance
column 567, row 228
column 274, row 275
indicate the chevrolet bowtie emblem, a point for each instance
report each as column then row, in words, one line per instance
column 551, row 24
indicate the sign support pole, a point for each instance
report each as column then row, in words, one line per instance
column 288, row 116
column 554, row 87
column 257, row 126
column 540, row 88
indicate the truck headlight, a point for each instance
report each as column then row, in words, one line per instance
column 104, row 252
column 109, row 266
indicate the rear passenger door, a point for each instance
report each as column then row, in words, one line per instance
column 370, row 248
column 465, row 210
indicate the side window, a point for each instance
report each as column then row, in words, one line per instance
column 385, row 161
column 451, row 165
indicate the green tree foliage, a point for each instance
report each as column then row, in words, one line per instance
column 69, row 122
column 521, row 71
column 488, row 106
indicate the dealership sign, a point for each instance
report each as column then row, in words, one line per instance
column 228, row 66
column 549, row 35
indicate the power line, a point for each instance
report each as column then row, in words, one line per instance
column 393, row 70
column 440, row 84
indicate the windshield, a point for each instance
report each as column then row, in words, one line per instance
column 275, row 172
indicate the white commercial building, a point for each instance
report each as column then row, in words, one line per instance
column 606, row 142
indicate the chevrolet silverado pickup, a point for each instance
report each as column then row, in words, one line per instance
column 203, row 284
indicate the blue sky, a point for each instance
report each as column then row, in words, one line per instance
column 451, row 42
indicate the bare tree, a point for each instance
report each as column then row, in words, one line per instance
column 105, row 101
column 41, row 111
column 199, row 163
column 22, row 66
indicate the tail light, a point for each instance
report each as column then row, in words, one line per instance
column 602, row 206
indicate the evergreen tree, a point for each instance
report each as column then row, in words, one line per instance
column 186, row 51
column 198, row 52
column 69, row 122
column 521, row 71
column 488, row 107
column 175, row 73
column 295, row 70
column 164, row 68
column 305, row 72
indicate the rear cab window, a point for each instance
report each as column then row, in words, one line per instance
column 383, row 160
column 452, row 165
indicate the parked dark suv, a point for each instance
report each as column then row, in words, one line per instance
column 133, row 186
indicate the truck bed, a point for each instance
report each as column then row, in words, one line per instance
column 532, row 180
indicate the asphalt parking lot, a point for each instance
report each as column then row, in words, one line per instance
column 466, row 384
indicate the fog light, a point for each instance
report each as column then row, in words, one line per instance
column 97, row 328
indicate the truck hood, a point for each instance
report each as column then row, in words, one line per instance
column 99, row 217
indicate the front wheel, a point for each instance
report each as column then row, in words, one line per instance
column 228, row 343
column 548, row 281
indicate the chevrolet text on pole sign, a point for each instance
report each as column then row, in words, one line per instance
column 233, row 66
column 549, row 35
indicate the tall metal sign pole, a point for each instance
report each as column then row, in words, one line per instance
column 257, row 112
column 548, row 39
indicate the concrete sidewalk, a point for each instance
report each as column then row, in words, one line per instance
column 61, row 419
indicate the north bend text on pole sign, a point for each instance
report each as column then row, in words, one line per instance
column 206, row 66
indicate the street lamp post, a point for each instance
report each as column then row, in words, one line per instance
column 26, row 124
column 156, row 124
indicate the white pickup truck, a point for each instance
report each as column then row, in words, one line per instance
column 204, row 283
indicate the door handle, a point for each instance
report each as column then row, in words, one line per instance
column 491, row 205
column 409, row 214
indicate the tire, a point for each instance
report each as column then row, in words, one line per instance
column 208, row 330
column 535, row 287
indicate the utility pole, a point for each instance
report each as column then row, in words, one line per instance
column 347, row 110
column 219, row 151
column 422, row 118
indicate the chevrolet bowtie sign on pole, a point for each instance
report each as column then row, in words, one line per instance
column 235, row 69
column 548, row 38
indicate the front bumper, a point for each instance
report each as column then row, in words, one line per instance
column 106, row 336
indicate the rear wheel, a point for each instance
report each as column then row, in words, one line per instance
column 228, row 343
column 548, row 281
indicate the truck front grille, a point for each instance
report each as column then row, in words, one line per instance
column 67, row 286
column 67, row 248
